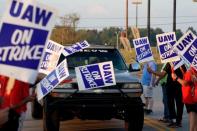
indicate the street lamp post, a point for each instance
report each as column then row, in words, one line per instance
column 136, row 2
column 174, row 16
column 136, row 15
column 148, row 19
column 126, row 18
column 117, row 37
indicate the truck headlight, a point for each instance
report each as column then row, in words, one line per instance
column 131, row 85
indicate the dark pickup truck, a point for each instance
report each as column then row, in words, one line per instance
column 121, row 101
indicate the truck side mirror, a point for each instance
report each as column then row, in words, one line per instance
column 134, row 67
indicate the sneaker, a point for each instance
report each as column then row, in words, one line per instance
column 178, row 124
column 145, row 111
column 171, row 124
column 164, row 120
column 167, row 121
column 149, row 111
column 174, row 125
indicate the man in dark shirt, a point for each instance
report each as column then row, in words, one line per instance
column 174, row 94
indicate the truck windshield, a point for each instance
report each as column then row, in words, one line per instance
column 92, row 56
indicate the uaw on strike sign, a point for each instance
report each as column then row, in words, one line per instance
column 95, row 75
column 165, row 42
column 47, row 84
column 51, row 56
column 53, row 51
column 186, row 47
column 75, row 47
column 143, row 50
column 25, row 27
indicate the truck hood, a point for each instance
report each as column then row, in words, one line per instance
column 122, row 76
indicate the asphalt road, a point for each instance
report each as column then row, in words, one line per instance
column 151, row 122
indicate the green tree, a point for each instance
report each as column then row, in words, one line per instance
column 108, row 35
column 179, row 34
column 93, row 37
column 192, row 29
column 65, row 33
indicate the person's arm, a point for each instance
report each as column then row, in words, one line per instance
column 153, row 79
column 181, row 81
column 24, row 101
column 182, row 70
column 153, row 66
column 157, row 81
column 160, row 74
column 38, row 79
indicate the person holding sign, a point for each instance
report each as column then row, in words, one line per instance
column 163, row 82
column 148, row 83
column 14, row 95
column 174, row 94
column 189, row 90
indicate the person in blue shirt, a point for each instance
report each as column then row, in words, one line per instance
column 148, row 80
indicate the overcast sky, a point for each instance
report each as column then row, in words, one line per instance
column 105, row 13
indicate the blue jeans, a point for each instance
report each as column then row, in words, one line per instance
column 165, row 103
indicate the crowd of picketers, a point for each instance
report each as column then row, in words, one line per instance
column 179, row 88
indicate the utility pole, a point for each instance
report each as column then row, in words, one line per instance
column 174, row 16
column 136, row 2
column 117, row 37
column 148, row 19
column 126, row 18
column 136, row 15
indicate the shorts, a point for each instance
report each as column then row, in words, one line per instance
column 191, row 108
column 147, row 91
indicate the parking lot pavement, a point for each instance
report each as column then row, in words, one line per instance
column 94, row 125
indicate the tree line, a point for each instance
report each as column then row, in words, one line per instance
column 67, row 33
